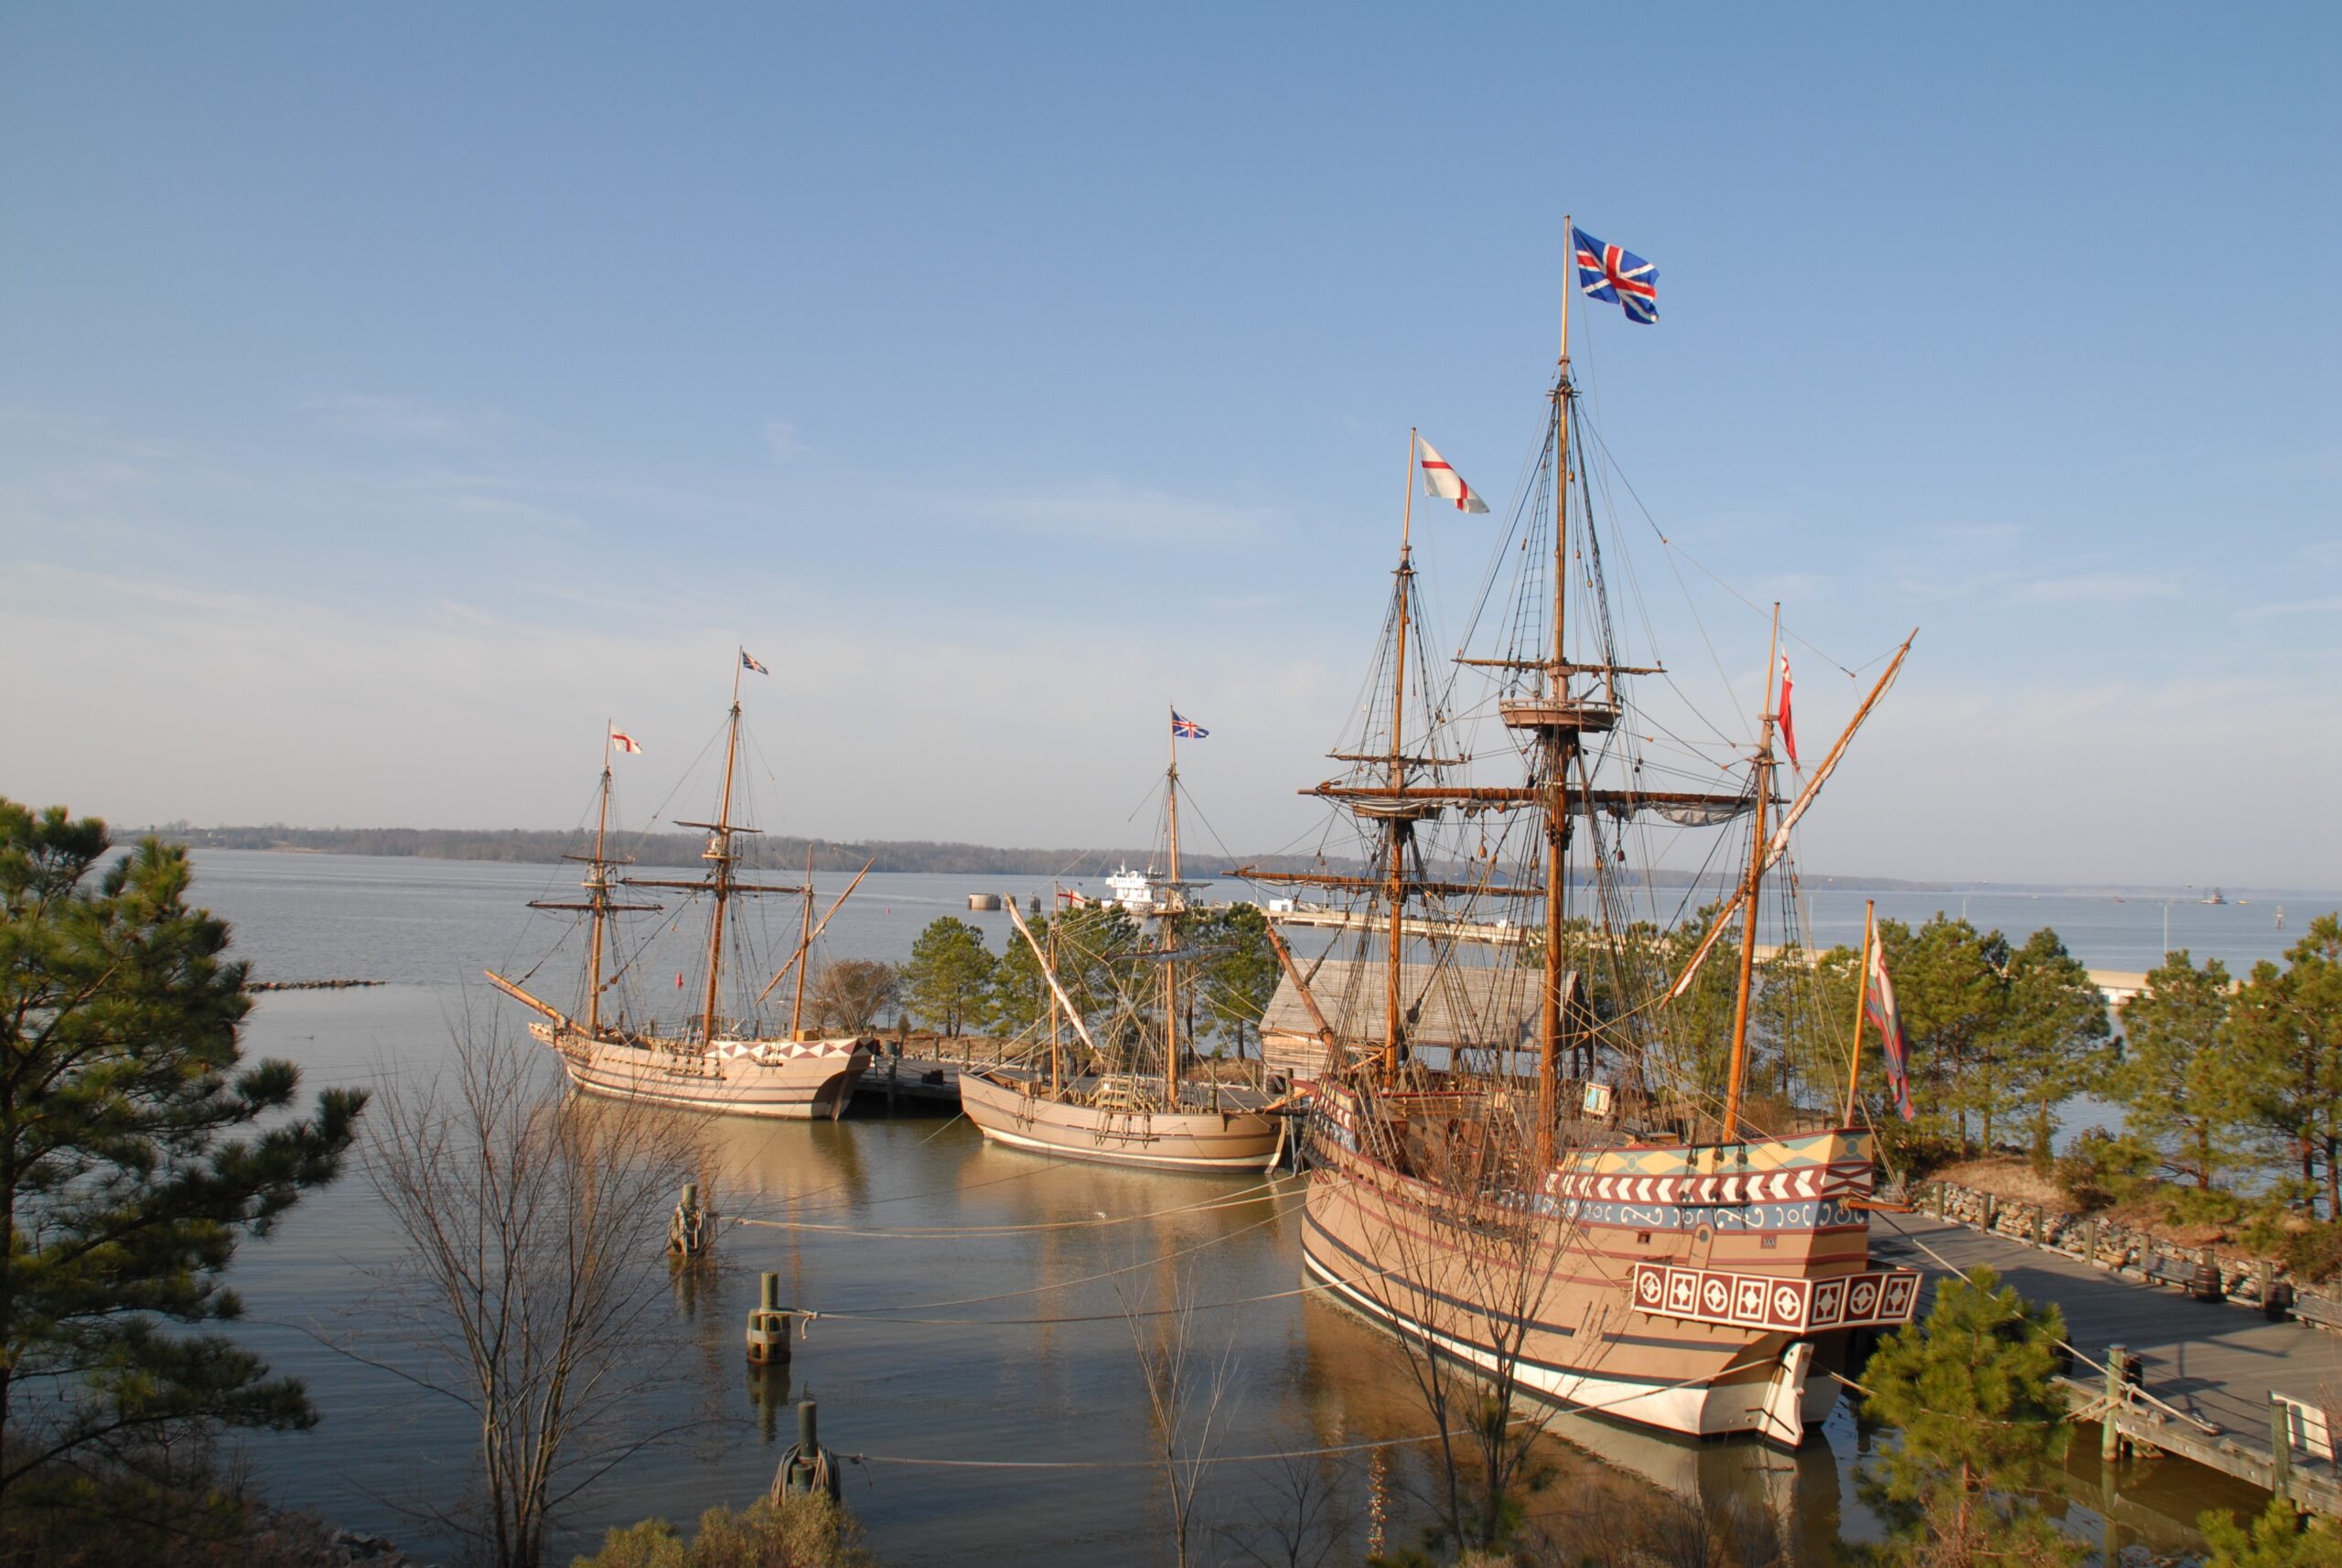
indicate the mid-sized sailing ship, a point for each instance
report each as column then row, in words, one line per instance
column 707, row 1059
column 1553, row 1191
column 1113, row 1110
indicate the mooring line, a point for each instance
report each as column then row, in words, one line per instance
column 1084, row 1280
column 946, row 1233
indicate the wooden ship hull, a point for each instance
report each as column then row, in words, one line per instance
column 788, row 1079
column 1701, row 1291
column 1013, row 1108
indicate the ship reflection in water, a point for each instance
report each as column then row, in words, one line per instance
column 1020, row 1270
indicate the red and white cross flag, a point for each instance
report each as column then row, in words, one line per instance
column 623, row 741
column 1444, row 483
column 1789, row 731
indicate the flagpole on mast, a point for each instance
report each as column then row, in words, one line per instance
column 1569, row 284
column 1861, row 1004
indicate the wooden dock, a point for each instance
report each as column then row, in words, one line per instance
column 922, row 1072
column 2211, row 1375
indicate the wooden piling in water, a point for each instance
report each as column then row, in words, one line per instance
column 2280, row 1448
column 2109, row 1441
column 688, row 1233
column 769, row 1326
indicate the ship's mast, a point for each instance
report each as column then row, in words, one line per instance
column 1169, row 934
column 804, row 953
column 1756, row 880
column 719, row 856
column 1556, row 742
column 1057, row 1048
column 1395, row 883
column 597, row 893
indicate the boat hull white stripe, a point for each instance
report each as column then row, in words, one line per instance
column 1700, row 1409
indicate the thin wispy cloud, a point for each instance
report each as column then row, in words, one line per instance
column 2093, row 587
column 782, row 440
column 2330, row 604
column 1102, row 511
column 396, row 418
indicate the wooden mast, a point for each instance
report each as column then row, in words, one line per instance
column 1862, row 1004
column 823, row 925
column 1169, row 933
column 1755, row 879
column 1556, row 744
column 597, row 893
column 1057, row 1049
column 804, row 953
column 1395, row 883
column 718, row 853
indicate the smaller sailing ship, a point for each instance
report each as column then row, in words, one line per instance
column 707, row 1061
column 1121, row 1114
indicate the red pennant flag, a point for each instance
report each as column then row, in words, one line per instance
column 1788, row 730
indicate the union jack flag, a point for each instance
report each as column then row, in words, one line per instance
column 1620, row 277
column 1186, row 729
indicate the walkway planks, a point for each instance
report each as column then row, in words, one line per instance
column 2217, row 1362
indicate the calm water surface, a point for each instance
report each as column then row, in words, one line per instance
column 996, row 1388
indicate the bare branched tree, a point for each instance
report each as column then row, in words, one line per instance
column 1304, row 1520
column 1185, row 1393
column 533, row 1280
column 1473, row 1273
column 851, row 993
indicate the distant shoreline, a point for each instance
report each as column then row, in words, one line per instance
column 927, row 857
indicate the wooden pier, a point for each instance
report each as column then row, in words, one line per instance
column 2222, row 1385
column 923, row 1071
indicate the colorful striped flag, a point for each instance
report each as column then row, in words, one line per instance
column 1879, row 1007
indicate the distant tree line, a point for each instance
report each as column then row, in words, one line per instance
column 537, row 845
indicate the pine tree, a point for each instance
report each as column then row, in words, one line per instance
column 2286, row 1026
column 2275, row 1539
column 1973, row 1392
column 949, row 977
column 2053, row 1032
column 1241, row 975
column 122, row 1088
column 2180, row 1088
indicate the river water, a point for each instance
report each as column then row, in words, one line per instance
column 991, row 1383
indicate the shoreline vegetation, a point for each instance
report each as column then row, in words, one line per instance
column 947, row 858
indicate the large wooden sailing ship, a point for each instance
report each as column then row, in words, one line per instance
column 707, row 1060
column 1563, row 1203
column 1167, row 1120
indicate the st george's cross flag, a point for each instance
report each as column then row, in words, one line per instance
column 747, row 663
column 624, row 741
column 1619, row 276
column 1878, row 1006
column 1186, row 729
column 1442, row 482
column 1788, row 730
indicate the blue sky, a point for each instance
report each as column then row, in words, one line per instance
column 387, row 394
